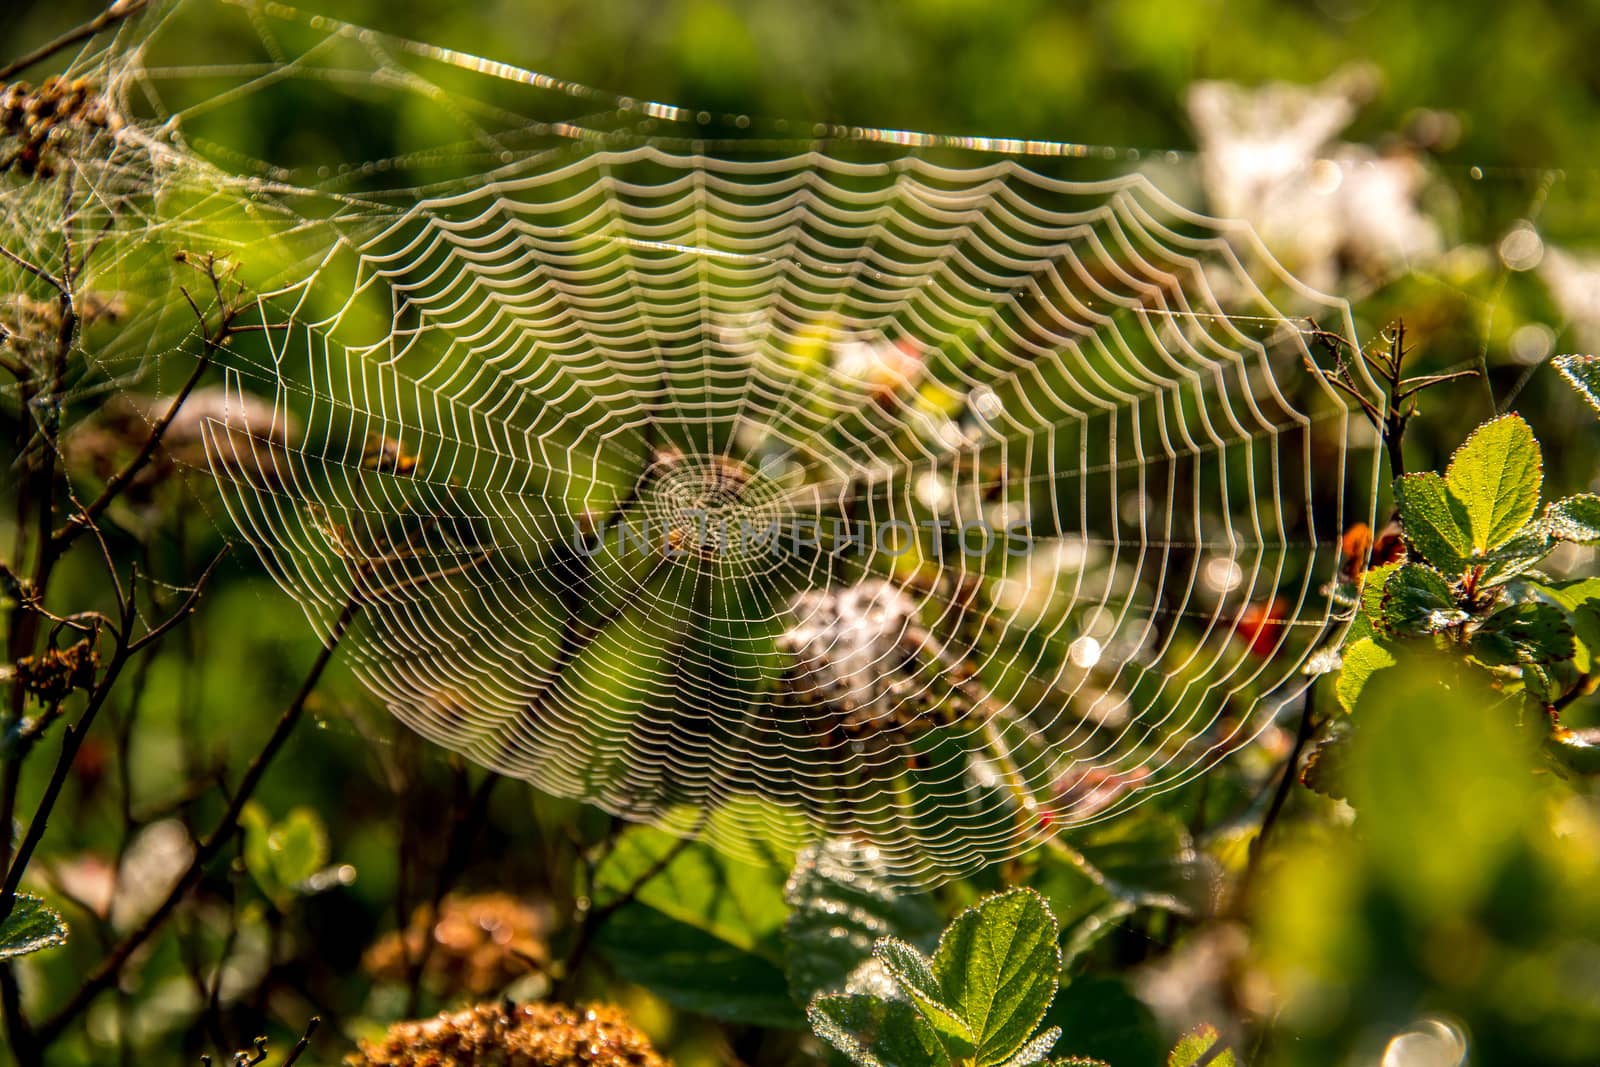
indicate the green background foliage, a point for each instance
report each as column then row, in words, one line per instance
column 1445, row 871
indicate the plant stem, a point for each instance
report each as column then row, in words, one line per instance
column 112, row 15
column 1280, row 796
column 109, row 968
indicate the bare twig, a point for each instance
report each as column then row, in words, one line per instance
column 106, row 972
column 1280, row 796
column 112, row 15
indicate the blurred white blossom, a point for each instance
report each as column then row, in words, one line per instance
column 1327, row 208
column 1574, row 283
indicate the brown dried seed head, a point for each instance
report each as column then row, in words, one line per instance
column 481, row 944
column 496, row 1035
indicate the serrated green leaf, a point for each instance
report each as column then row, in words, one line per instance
column 1531, row 544
column 31, row 927
column 874, row 1032
column 914, row 973
column 1577, row 518
column 1418, row 600
column 1362, row 660
column 1036, row 1049
column 1583, row 372
column 998, row 966
column 1434, row 522
column 1580, row 599
column 841, row 902
column 1497, row 474
column 1199, row 1047
column 1531, row 633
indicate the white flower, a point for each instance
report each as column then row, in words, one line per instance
column 1268, row 156
column 1574, row 283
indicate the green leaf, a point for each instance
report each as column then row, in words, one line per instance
column 1036, row 1049
column 32, row 925
column 1199, row 1048
column 704, row 932
column 1418, row 600
column 1584, row 374
column 1104, row 1020
column 1496, row 474
column 282, row 856
column 1578, row 750
column 696, row 971
column 1577, row 518
column 998, row 966
column 1435, row 523
column 1531, row 544
column 914, row 973
column 1146, row 858
column 1324, row 768
column 1362, row 660
column 842, row 901
column 874, row 1032
column 1580, row 598
column 1531, row 632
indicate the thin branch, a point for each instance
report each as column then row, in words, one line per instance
column 1280, row 796
column 112, row 15
column 183, row 610
column 105, row 974
column 67, row 531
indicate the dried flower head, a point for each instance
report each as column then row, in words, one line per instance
column 508, row 1035
column 38, row 127
column 55, row 672
column 481, row 943
column 32, row 328
column 865, row 666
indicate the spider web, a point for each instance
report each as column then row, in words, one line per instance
column 940, row 493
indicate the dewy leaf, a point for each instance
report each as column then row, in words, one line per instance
column 874, row 1032
column 914, row 973
column 1580, row 599
column 1362, row 659
column 1199, row 1048
column 1435, row 523
column 1496, row 475
column 1036, row 1049
column 1531, row 544
column 32, row 925
column 841, row 902
column 1530, row 632
column 1584, row 374
column 1418, row 600
column 998, row 965
column 1577, row 518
